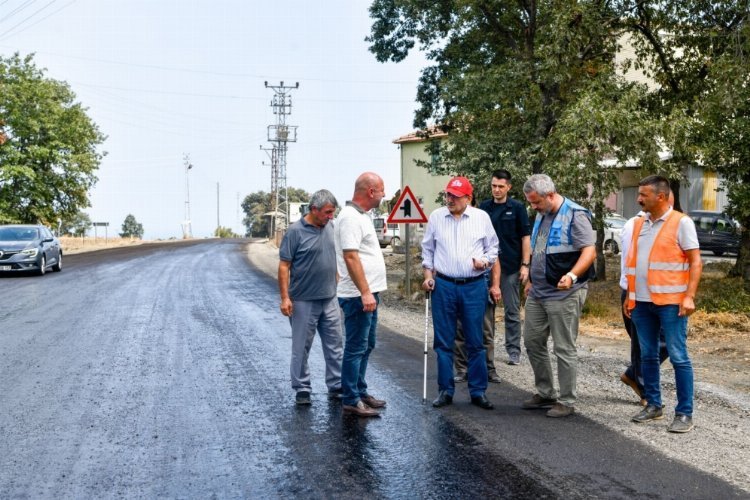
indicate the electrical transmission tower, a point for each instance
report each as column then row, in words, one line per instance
column 279, row 135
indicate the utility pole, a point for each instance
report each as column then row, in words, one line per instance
column 279, row 135
column 218, row 223
column 187, row 228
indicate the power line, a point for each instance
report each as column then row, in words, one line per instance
column 218, row 73
column 26, row 19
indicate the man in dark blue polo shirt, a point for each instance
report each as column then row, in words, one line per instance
column 511, row 222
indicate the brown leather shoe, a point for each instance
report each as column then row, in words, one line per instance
column 632, row 384
column 372, row 402
column 361, row 410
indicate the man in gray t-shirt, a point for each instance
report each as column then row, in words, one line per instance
column 562, row 246
column 307, row 284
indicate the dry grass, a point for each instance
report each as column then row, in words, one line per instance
column 602, row 314
column 73, row 245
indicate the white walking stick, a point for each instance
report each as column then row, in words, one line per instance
column 426, row 327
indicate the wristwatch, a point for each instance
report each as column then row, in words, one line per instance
column 573, row 277
column 525, row 264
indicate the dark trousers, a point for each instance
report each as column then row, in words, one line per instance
column 634, row 370
column 488, row 332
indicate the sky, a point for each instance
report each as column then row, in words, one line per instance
column 167, row 78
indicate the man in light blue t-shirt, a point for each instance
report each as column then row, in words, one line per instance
column 307, row 283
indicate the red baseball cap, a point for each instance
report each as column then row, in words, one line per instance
column 459, row 186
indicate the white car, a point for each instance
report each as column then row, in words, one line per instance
column 613, row 225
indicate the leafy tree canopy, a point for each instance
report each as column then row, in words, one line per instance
column 509, row 80
column 131, row 228
column 48, row 146
column 256, row 205
column 76, row 225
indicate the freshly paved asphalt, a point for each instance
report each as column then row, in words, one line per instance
column 162, row 371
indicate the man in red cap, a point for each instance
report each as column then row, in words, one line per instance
column 459, row 246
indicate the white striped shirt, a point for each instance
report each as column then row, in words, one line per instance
column 449, row 244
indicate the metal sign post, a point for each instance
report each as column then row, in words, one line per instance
column 407, row 211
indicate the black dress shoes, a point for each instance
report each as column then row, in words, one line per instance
column 443, row 399
column 482, row 402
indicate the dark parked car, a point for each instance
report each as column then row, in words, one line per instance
column 717, row 232
column 29, row 248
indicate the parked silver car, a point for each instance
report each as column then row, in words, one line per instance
column 26, row 247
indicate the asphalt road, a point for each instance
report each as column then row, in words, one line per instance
column 162, row 371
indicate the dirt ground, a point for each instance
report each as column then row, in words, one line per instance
column 719, row 343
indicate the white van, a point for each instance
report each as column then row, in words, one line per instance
column 388, row 234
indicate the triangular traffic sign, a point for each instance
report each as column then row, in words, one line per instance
column 407, row 210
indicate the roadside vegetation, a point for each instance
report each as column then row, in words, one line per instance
column 722, row 304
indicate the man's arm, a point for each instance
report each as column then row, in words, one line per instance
column 286, row 302
column 696, row 268
column 523, row 273
column 357, row 274
column 495, row 281
column 588, row 255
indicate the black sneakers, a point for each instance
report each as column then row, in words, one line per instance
column 647, row 414
column 303, row 398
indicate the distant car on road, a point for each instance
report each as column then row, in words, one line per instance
column 388, row 234
column 26, row 247
column 717, row 232
column 613, row 225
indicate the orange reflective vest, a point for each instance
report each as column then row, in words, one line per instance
column 668, row 267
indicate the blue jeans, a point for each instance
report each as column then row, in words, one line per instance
column 360, row 329
column 649, row 318
column 451, row 302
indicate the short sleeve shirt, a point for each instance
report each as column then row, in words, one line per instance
column 582, row 236
column 687, row 238
column 511, row 223
column 355, row 231
column 311, row 251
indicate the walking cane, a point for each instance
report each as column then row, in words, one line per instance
column 426, row 326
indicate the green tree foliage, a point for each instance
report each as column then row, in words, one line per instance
column 76, row 225
column 724, row 134
column 257, row 205
column 697, row 53
column 677, row 45
column 48, row 150
column 224, row 232
column 526, row 86
column 131, row 228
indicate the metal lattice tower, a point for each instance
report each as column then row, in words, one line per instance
column 279, row 135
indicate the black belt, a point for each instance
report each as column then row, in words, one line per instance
column 459, row 281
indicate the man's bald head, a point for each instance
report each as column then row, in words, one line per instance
column 368, row 190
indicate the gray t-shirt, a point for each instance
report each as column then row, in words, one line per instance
column 311, row 251
column 687, row 238
column 582, row 236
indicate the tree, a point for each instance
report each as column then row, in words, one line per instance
column 48, row 154
column 526, row 86
column 76, row 225
column 724, row 133
column 697, row 52
column 258, row 205
column 224, row 232
column 131, row 228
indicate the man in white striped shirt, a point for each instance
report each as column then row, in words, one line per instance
column 459, row 245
